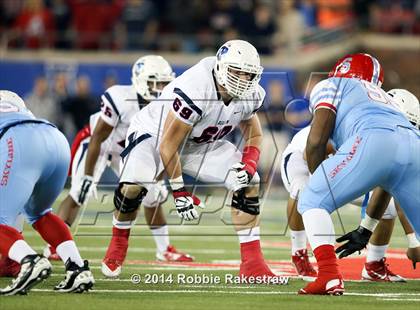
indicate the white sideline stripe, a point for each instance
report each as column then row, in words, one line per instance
column 231, row 292
column 182, row 292
column 152, row 250
column 148, row 250
column 399, row 299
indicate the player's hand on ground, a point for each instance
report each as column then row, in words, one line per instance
column 357, row 241
column 85, row 189
column 185, row 204
column 242, row 176
column 413, row 254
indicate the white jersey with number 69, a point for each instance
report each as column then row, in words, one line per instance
column 194, row 100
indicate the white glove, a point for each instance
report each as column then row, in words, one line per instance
column 242, row 177
column 162, row 192
column 185, row 204
column 86, row 189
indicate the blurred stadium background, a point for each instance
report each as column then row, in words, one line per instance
column 60, row 55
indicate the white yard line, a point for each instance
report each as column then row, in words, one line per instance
column 184, row 268
column 400, row 299
column 188, row 291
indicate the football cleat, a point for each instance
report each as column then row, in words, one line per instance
column 78, row 279
column 256, row 269
column 34, row 269
column 116, row 253
column 324, row 286
column 378, row 271
column 172, row 255
column 50, row 253
column 8, row 267
column 111, row 268
column 303, row 267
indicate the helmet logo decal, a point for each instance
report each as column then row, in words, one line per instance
column 138, row 68
column 223, row 50
column 344, row 67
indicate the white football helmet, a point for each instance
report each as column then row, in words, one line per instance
column 408, row 104
column 147, row 72
column 11, row 99
column 237, row 55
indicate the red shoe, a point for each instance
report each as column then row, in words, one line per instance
column 111, row 268
column 172, row 255
column 117, row 251
column 324, row 286
column 378, row 271
column 329, row 280
column 8, row 267
column 50, row 253
column 253, row 264
column 303, row 267
column 258, row 270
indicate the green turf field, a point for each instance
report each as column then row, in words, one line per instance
column 213, row 244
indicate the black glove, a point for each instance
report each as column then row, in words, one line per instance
column 358, row 239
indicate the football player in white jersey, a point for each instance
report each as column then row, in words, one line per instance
column 196, row 111
column 295, row 175
column 100, row 143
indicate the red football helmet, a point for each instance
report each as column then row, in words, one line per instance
column 361, row 66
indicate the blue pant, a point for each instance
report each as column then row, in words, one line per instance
column 386, row 158
column 34, row 160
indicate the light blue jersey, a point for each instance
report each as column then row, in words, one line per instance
column 359, row 105
column 34, row 158
column 377, row 146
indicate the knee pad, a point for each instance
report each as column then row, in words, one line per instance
column 250, row 205
column 128, row 205
column 390, row 212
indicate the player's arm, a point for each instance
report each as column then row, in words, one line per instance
column 252, row 131
column 247, row 167
column 330, row 150
column 108, row 119
column 359, row 238
column 413, row 250
column 174, row 133
column 100, row 134
column 321, row 129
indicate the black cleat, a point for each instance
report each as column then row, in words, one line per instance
column 34, row 269
column 77, row 280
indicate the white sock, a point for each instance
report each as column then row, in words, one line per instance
column 68, row 249
column 161, row 236
column 375, row 252
column 19, row 250
column 298, row 238
column 122, row 224
column 319, row 227
column 249, row 234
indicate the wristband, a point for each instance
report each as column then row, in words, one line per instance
column 412, row 240
column 176, row 183
column 369, row 223
column 250, row 157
